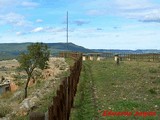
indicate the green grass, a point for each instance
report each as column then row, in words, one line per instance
column 131, row 86
column 84, row 105
column 20, row 117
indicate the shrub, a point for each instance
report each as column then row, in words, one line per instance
column 152, row 91
column 3, row 68
column 4, row 110
column 153, row 70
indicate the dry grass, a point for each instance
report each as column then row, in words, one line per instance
column 4, row 109
column 52, row 75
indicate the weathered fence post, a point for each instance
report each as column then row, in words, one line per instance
column 63, row 101
column 116, row 58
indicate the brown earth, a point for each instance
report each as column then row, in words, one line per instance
column 13, row 86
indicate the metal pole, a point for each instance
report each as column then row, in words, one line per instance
column 67, row 76
column 67, row 30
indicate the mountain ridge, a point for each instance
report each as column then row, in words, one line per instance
column 12, row 50
column 120, row 51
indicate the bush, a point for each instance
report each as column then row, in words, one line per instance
column 4, row 110
column 3, row 68
column 152, row 91
column 153, row 70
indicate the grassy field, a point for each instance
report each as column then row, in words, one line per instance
column 130, row 87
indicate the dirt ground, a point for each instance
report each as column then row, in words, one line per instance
column 42, row 80
column 8, row 69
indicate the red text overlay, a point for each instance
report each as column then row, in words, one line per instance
column 127, row 114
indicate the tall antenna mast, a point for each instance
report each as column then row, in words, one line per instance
column 67, row 117
column 67, row 30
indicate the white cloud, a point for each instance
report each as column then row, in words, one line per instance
column 95, row 12
column 133, row 4
column 142, row 10
column 39, row 20
column 5, row 3
column 38, row 29
column 29, row 4
column 99, row 7
column 55, row 29
column 19, row 33
column 48, row 29
column 151, row 16
column 93, row 38
column 14, row 19
column 14, row 3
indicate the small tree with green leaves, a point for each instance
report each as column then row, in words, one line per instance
column 36, row 57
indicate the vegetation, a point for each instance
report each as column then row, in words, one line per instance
column 45, row 102
column 5, row 109
column 12, row 50
column 84, row 105
column 132, row 86
column 37, row 57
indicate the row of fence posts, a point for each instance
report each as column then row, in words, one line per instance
column 135, row 57
column 63, row 101
column 141, row 57
column 73, row 55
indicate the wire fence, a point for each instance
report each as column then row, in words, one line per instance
column 148, row 57
column 151, row 57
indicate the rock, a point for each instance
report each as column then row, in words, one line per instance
column 38, row 94
column 156, row 106
column 27, row 105
column 4, row 118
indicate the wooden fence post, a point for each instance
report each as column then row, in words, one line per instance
column 63, row 101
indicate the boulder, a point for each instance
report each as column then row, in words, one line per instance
column 26, row 105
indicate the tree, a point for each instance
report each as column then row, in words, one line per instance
column 37, row 56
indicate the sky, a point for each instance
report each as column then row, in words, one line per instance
column 94, row 24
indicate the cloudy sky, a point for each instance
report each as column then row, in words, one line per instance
column 107, row 24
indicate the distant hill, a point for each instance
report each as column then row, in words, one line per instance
column 12, row 50
column 70, row 47
column 117, row 51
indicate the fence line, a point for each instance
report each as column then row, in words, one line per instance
column 141, row 57
column 63, row 101
column 149, row 57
